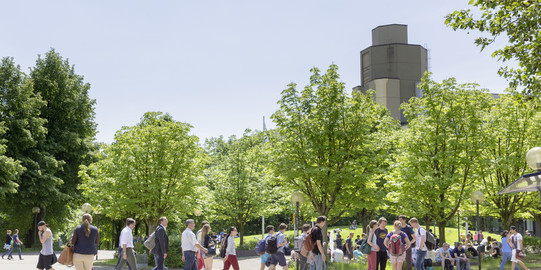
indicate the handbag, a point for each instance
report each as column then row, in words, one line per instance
column 7, row 246
column 66, row 257
column 520, row 255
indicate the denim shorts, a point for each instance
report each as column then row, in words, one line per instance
column 264, row 257
column 278, row 258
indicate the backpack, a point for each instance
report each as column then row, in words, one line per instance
column 308, row 244
column 260, row 247
column 272, row 244
column 396, row 247
column 150, row 243
column 365, row 247
column 223, row 247
column 430, row 242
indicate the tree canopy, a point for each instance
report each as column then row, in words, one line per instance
column 518, row 21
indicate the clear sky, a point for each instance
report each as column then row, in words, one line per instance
column 221, row 65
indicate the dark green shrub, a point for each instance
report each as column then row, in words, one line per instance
column 174, row 255
column 532, row 244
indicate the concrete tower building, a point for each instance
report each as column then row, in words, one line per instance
column 392, row 67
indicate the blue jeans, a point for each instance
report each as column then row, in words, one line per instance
column 159, row 262
column 191, row 260
column 319, row 264
column 506, row 256
column 11, row 252
column 420, row 260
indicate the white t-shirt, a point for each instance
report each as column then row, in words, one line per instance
column 419, row 233
column 516, row 239
column 338, row 255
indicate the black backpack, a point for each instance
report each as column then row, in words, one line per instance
column 272, row 244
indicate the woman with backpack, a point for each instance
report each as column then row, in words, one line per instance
column 372, row 241
column 228, row 250
column 397, row 242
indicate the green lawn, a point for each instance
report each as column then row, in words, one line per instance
column 451, row 234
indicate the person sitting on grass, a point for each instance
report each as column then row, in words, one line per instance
column 496, row 251
column 459, row 254
column 443, row 256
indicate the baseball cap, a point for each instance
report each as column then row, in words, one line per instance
column 41, row 223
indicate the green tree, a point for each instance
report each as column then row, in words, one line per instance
column 24, row 140
column 70, row 126
column 238, row 180
column 328, row 144
column 10, row 169
column 519, row 22
column 437, row 154
column 152, row 169
column 511, row 129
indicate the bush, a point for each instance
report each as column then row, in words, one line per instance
column 248, row 244
column 174, row 255
column 532, row 244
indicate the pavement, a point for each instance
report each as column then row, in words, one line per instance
column 30, row 259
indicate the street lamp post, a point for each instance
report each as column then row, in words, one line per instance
column 297, row 199
column 86, row 208
column 35, row 211
column 478, row 197
column 458, row 224
column 197, row 213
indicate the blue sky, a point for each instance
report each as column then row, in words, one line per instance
column 221, row 65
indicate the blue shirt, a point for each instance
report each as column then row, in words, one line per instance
column 280, row 238
column 505, row 245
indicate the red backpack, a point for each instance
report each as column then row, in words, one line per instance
column 396, row 247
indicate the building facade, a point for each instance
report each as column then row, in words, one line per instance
column 392, row 67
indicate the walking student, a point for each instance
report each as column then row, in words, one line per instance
column 190, row 246
column 507, row 252
column 16, row 245
column 209, row 244
column 279, row 257
column 515, row 241
column 411, row 236
column 46, row 256
column 266, row 256
column 397, row 242
column 161, row 241
column 381, row 233
column 85, row 241
column 372, row 241
column 317, row 236
column 420, row 235
column 230, row 258
column 304, row 260
column 7, row 244
column 126, row 243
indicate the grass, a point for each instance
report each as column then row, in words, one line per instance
column 532, row 261
column 451, row 234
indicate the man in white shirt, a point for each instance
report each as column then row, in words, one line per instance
column 190, row 246
column 515, row 242
column 126, row 243
column 420, row 236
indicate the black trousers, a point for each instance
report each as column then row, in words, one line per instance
column 381, row 260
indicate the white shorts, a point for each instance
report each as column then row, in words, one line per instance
column 514, row 256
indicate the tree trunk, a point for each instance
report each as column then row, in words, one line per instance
column 241, row 225
column 151, row 226
column 441, row 231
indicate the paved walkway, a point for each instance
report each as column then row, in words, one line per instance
column 30, row 259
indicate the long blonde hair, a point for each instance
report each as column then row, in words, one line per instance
column 87, row 219
column 204, row 231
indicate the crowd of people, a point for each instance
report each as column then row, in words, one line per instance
column 408, row 244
